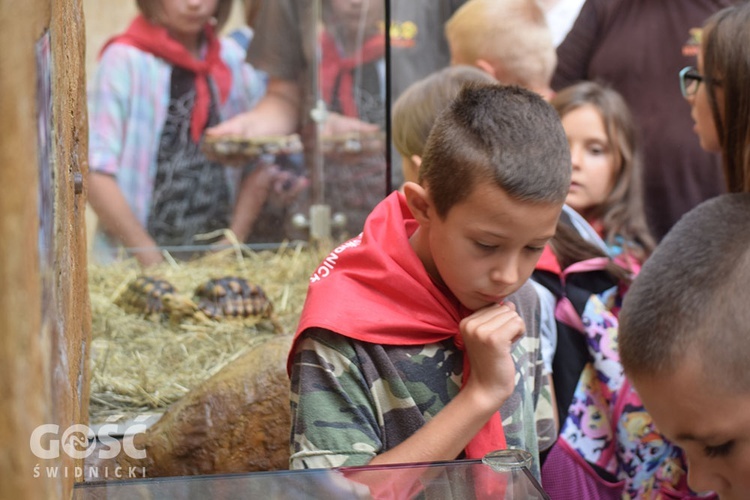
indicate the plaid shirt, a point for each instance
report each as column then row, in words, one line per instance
column 128, row 99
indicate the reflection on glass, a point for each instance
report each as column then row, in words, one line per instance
column 460, row 479
column 345, row 156
column 331, row 182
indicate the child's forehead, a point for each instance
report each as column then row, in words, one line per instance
column 489, row 206
column 491, row 193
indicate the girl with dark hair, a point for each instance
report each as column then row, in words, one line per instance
column 608, row 446
column 606, row 187
column 718, row 92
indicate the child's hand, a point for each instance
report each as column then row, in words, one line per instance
column 286, row 186
column 242, row 125
column 149, row 257
column 337, row 124
column 488, row 335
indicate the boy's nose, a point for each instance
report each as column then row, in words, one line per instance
column 703, row 478
column 505, row 272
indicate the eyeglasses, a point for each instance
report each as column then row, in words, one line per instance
column 690, row 80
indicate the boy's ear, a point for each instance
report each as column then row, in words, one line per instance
column 419, row 202
column 416, row 160
column 486, row 67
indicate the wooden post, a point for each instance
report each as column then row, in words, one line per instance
column 44, row 313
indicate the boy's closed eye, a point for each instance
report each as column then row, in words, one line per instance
column 485, row 246
column 721, row 450
column 489, row 247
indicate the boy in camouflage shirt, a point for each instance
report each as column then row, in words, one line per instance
column 419, row 339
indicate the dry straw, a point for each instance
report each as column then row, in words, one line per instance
column 141, row 365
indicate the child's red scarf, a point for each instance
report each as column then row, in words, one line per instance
column 155, row 39
column 335, row 68
column 375, row 289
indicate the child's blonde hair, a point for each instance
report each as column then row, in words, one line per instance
column 511, row 35
column 419, row 105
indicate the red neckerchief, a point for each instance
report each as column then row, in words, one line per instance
column 375, row 289
column 155, row 39
column 334, row 67
column 548, row 261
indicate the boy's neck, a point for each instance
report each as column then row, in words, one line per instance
column 422, row 249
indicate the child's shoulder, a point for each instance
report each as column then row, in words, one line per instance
column 231, row 51
column 118, row 50
column 125, row 57
column 526, row 300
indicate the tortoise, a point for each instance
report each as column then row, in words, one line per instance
column 145, row 294
column 232, row 297
column 217, row 299
column 157, row 298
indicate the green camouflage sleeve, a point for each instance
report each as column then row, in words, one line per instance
column 332, row 421
column 352, row 400
column 528, row 418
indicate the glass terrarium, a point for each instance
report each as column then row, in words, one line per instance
column 504, row 476
column 148, row 353
column 162, row 354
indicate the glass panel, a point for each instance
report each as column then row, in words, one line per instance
column 346, row 130
column 318, row 183
column 343, row 174
column 461, row 479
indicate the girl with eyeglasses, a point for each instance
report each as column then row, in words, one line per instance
column 718, row 91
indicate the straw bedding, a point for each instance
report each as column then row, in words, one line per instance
column 142, row 365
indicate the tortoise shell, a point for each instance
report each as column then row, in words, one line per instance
column 231, row 297
column 145, row 295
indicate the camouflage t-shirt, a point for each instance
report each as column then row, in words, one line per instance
column 353, row 400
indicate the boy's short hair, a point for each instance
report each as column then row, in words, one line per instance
column 690, row 300
column 417, row 108
column 150, row 10
column 509, row 34
column 501, row 134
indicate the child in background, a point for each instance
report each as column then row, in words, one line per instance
column 684, row 323
column 608, row 445
column 352, row 85
column 606, row 187
column 508, row 39
column 435, row 284
column 352, row 66
column 158, row 86
column 684, row 330
column 417, row 108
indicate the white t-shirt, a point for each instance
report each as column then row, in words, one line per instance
column 560, row 16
